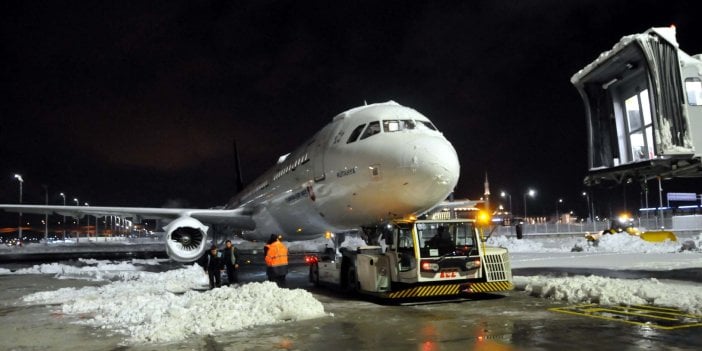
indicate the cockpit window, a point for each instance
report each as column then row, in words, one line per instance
column 391, row 126
column 407, row 124
column 426, row 124
column 354, row 135
column 373, row 129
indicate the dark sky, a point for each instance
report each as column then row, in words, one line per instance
column 138, row 102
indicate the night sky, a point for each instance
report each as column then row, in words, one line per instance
column 137, row 103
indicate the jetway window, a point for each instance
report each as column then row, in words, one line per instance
column 693, row 86
column 354, row 135
column 373, row 129
column 640, row 126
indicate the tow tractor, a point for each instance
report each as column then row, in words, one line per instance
column 418, row 258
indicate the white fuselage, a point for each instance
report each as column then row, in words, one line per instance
column 370, row 164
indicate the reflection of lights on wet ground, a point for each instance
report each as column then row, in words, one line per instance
column 429, row 346
column 285, row 344
column 429, row 335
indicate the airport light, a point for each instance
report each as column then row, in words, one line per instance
column 589, row 206
column 64, row 216
column 77, row 222
column 87, row 223
column 531, row 193
column 504, row 194
column 21, row 181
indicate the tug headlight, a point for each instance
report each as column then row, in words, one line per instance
column 470, row 265
column 428, row 266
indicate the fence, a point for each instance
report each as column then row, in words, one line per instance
column 674, row 223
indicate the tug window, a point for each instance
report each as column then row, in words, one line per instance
column 693, row 86
column 373, row 129
column 354, row 135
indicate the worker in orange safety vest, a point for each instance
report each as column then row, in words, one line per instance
column 276, row 260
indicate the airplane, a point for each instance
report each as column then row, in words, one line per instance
column 372, row 163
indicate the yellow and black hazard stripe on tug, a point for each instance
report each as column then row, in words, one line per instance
column 425, row 291
column 449, row 289
column 490, row 286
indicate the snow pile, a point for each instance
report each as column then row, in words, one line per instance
column 5, row 271
column 630, row 243
column 607, row 243
column 609, row 291
column 98, row 270
column 161, row 307
column 532, row 244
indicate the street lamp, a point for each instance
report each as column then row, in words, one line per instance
column 87, row 223
column 558, row 217
column 19, row 228
column 589, row 207
column 504, row 194
column 75, row 199
column 531, row 193
column 64, row 216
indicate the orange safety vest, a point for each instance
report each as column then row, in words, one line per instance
column 277, row 254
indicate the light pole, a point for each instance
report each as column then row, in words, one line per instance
column 64, row 217
column 19, row 228
column 531, row 193
column 558, row 217
column 87, row 224
column 504, row 194
column 589, row 207
column 46, row 215
column 77, row 221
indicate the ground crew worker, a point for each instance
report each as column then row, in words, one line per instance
column 231, row 262
column 276, row 260
column 214, row 267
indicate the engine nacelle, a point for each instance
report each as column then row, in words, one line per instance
column 186, row 239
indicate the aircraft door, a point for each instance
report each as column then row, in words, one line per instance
column 321, row 142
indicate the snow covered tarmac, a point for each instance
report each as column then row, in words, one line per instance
column 147, row 305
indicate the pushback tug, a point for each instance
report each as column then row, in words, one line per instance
column 418, row 259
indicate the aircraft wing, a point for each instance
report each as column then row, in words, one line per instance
column 238, row 217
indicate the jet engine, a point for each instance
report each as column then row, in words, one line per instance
column 186, row 239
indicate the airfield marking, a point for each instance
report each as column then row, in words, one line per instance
column 644, row 315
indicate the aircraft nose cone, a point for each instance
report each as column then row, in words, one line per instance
column 433, row 163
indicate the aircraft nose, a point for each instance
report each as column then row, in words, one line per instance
column 434, row 162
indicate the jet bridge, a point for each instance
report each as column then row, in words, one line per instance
column 643, row 103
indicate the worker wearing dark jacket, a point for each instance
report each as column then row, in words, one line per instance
column 231, row 262
column 214, row 267
column 276, row 260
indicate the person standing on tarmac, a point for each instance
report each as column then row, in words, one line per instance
column 214, row 267
column 231, row 262
column 276, row 260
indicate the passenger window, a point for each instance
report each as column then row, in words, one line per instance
column 354, row 135
column 407, row 124
column 391, row 126
column 373, row 129
column 694, row 91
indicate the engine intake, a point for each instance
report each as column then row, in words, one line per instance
column 186, row 239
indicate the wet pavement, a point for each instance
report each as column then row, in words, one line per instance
column 505, row 321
